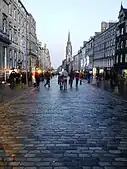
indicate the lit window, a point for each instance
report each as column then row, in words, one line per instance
column 121, row 58
column 126, row 57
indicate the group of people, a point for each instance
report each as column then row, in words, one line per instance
column 17, row 78
column 38, row 77
column 62, row 78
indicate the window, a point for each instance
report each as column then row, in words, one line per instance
column 121, row 58
column 117, row 45
column 14, row 13
column 10, row 9
column 4, row 23
column 117, row 33
column 18, row 17
column 15, row 59
column 10, row 60
column 10, row 31
column 126, row 28
column 126, row 57
column 113, row 52
column 117, row 57
column 122, row 31
column 121, row 44
column 126, row 43
column 15, row 35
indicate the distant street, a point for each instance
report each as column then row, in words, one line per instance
column 82, row 128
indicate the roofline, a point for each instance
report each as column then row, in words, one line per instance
column 115, row 24
column 23, row 7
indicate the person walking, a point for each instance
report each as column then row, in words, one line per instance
column 37, row 78
column 81, row 77
column 71, row 75
column 77, row 78
column 47, row 77
column 65, row 75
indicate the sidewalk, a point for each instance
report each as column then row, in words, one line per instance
column 105, row 85
column 7, row 94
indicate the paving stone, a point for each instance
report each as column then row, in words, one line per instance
column 105, row 163
column 30, row 155
column 43, row 164
column 115, row 151
column 27, row 164
column 76, row 129
column 34, row 159
column 30, row 168
column 14, row 164
column 121, row 159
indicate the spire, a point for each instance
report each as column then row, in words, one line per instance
column 69, row 37
column 121, row 5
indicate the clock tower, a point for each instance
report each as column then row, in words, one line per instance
column 69, row 50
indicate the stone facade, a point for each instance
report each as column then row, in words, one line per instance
column 44, row 57
column 4, row 38
column 104, row 48
column 121, row 41
column 17, row 34
column 31, row 41
column 18, row 39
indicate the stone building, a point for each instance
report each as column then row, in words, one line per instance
column 121, row 42
column 4, row 38
column 32, row 44
column 104, row 49
column 17, row 34
column 89, row 54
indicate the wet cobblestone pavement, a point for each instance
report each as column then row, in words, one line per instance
column 81, row 128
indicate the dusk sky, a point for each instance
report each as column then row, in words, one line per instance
column 55, row 18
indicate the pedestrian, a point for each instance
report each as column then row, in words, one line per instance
column 77, row 78
column 37, row 79
column 71, row 75
column 47, row 77
column 65, row 75
column 89, row 77
column 81, row 77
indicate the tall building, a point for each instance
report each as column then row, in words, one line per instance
column 121, row 42
column 4, row 38
column 17, row 35
column 106, row 25
column 68, row 54
column 31, row 41
column 69, row 49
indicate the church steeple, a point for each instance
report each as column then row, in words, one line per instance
column 69, row 49
column 121, row 5
column 69, row 40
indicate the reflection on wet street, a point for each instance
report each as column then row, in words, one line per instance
column 82, row 128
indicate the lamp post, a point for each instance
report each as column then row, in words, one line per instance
column 5, row 63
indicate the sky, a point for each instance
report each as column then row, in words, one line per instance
column 54, row 18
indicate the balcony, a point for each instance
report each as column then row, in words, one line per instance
column 4, row 37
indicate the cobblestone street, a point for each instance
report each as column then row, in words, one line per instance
column 82, row 128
